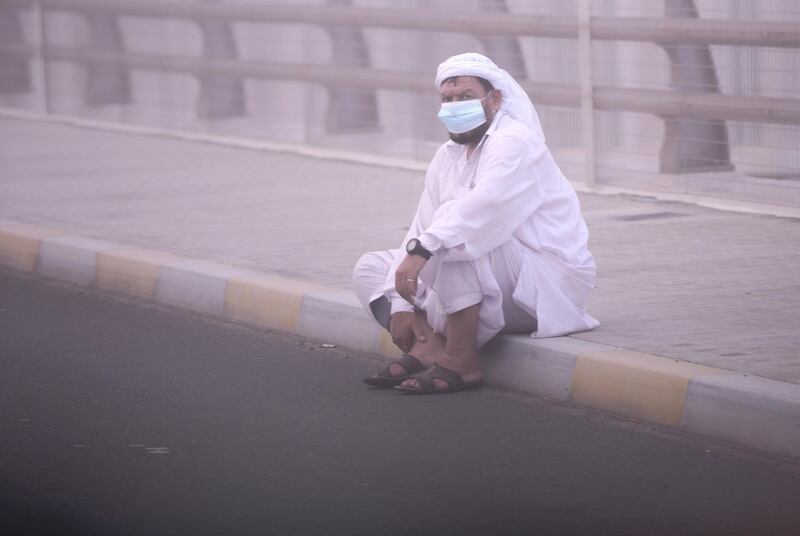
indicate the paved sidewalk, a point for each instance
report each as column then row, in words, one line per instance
column 699, row 285
column 706, row 286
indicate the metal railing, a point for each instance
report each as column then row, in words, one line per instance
column 685, row 104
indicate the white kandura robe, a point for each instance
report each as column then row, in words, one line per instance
column 510, row 187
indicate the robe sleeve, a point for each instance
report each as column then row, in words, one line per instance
column 425, row 211
column 508, row 191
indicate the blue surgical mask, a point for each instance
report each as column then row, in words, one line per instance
column 462, row 116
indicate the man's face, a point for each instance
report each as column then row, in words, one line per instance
column 462, row 88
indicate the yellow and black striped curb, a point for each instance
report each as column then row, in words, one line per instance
column 748, row 410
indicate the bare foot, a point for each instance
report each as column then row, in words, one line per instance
column 426, row 352
column 466, row 367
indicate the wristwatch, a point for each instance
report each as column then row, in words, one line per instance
column 414, row 247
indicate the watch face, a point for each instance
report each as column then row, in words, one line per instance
column 411, row 245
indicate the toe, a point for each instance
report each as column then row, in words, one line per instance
column 410, row 384
column 440, row 384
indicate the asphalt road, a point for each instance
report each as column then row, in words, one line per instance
column 124, row 417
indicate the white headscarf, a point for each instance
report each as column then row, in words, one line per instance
column 516, row 102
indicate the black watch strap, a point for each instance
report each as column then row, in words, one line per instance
column 415, row 247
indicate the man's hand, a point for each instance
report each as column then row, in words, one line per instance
column 404, row 330
column 405, row 278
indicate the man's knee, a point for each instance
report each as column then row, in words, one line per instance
column 369, row 276
column 369, row 268
column 368, row 263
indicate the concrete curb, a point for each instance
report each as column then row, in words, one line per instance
column 748, row 410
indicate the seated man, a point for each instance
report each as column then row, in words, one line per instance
column 498, row 243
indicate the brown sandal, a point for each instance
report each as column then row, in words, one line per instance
column 437, row 372
column 385, row 378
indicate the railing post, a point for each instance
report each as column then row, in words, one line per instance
column 41, row 55
column 350, row 110
column 107, row 84
column 587, row 88
column 14, row 70
column 220, row 97
column 692, row 145
column 504, row 51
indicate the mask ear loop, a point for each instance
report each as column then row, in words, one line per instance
column 487, row 94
